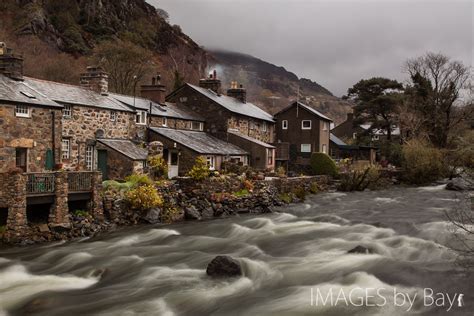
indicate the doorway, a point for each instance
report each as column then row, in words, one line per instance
column 102, row 163
column 173, row 164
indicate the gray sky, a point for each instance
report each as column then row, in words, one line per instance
column 333, row 42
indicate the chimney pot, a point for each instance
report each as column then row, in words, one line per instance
column 211, row 83
column 95, row 79
column 11, row 65
column 155, row 92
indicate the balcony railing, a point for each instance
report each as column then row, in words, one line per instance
column 79, row 181
column 40, row 183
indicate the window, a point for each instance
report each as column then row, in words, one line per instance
column 305, row 148
column 90, row 157
column 113, row 116
column 375, row 137
column 183, row 99
column 264, row 127
column 21, row 158
column 197, row 126
column 270, row 156
column 354, row 135
column 66, row 148
column 325, row 126
column 22, row 111
column 284, row 124
column 211, row 162
column 67, row 111
column 324, row 149
column 306, row 124
column 164, row 122
column 141, row 117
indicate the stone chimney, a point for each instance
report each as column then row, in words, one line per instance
column 211, row 83
column 237, row 91
column 155, row 91
column 95, row 79
column 350, row 117
column 11, row 65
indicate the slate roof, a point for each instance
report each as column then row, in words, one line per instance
column 126, row 148
column 234, row 105
column 199, row 142
column 306, row 107
column 168, row 110
column 336, row 140
column 20, row 92
column 251, row 139
column 75, row 95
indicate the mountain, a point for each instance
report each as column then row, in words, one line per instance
column 273, row 87
column 59, row 38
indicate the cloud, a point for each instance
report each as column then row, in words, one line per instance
column 335, row 43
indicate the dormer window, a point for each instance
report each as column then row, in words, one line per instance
column 67, row 111
column 22, row 111
column 197, row 126
column 141, row 117
column 306, row 124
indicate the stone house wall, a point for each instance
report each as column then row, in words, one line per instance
column 83, row 125
column 34, row 133
column 3, row 193
column 158, row 121
column 218, row 119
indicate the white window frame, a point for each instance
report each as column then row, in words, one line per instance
column 325, row 126
column 22, row 110
column 284, row 124
column 354, row 135
column 183, row 99
column 67, row 111
column 90, row 153
column 310, row 124
column 113, row 116
column 200, row 128
column 324, row 148
column 140, row 119
column 270, row 156
column 264, row 126
column 305, row 148
column 211, row 162
column 165, row 122
column 375, row 137
column 66, row 148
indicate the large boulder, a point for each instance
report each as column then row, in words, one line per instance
column 361, row 249
column 153, row 216
column 224, row 266
column 459, row 184
column 192, row 213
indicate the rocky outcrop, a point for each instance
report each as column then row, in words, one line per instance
column 224, row 266
column 361, row 250
column 460, row 184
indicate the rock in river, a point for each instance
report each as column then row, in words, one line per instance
column 361, row 249
column 224, row 266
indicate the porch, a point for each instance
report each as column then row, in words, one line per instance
column 56, row 190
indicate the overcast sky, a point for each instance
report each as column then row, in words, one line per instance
column 333, row 42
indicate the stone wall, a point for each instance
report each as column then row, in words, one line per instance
column 158, row 121
column 34, row 133
column 258, row 129
column 3, row 190
column 83, row 125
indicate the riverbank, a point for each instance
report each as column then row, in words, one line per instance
column 183, row 199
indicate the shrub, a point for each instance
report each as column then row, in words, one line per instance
column 322, row 164
column 81, row 213
column 138, row 179
column 360, row 179
column 392, row 152
column 281, row 172
column 314, row 188
column 248, row 185
column 158, row 167
column 144, row 197
column 300, row 193
column 242, row 193
column 169, row 215
column 200, row 170
column 286, row 198
column 422, row 163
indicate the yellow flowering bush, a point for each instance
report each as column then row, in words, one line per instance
column 144, row 197
column 158, row 166
column 200, row 170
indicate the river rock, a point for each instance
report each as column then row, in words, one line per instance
column 192, row 213
column 224, row 266
column 459, row 184
column 361, row 249
column 153, row 216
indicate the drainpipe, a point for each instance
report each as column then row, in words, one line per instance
column 53, row 133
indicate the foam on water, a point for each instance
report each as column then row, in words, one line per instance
column 152, row 234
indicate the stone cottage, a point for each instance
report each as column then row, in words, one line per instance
column 231, row 118
column 300, row 131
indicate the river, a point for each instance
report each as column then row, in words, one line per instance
column 292, row 259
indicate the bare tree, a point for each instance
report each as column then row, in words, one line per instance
column 436, row 84
column 126, row 63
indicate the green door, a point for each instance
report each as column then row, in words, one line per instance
column 49, row 163
column 102, row 163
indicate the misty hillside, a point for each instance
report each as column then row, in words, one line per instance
column 273, row 87
column 59, row 38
